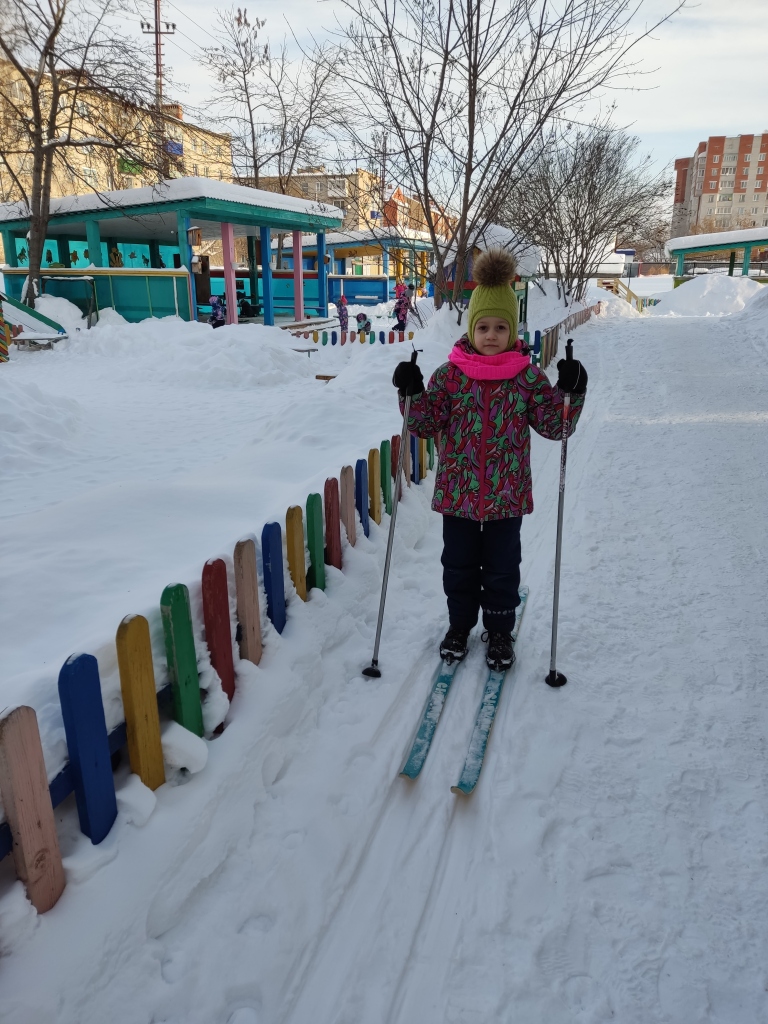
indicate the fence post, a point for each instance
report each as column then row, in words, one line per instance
column 316, row 574
column 332, row 523
column 361, row 493
column 272, row 567
column 348, row 503
column 181, row 657
column 85, row 727
column 247, row 592
column 137, row 685
column 218, row 629
column 374, row 485
column 294, row 537
column 385, row 458
column 28, row 809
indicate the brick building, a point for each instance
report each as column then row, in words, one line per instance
column 722, row 186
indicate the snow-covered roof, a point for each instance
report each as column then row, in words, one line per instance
column 175, row 190
column 351, row 237
column 741, row 237
column 495, row 236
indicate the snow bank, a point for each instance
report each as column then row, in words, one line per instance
column 35, row 425
column 706, row 295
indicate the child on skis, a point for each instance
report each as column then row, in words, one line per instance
column 482, row 403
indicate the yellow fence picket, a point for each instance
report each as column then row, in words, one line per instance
column 294, row 537
column 374, row 485
column 137, row 685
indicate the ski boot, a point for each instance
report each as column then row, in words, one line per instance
column 501, row 650
column 454, row 645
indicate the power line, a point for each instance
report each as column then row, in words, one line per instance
column 205, row 31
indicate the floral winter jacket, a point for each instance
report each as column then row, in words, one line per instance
column 483, row 408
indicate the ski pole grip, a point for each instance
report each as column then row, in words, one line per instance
column 413, row 357
column 569, row 350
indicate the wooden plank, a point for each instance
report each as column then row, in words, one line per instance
column 28, row 809
column 218, row 629
column 137, row 685
column 361, row 494
column 374, row 485
column 348, row 503
column 181, row 657
column 422, row 457
column 247, row 590
column 385, row 458
column 274, row 580
column 413, row 449
column 332, row 522
column 316, row 571
column 88, row 745
column 294, row 536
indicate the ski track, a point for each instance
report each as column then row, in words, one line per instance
column 610, row 865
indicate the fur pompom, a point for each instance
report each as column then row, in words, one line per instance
column 494, row 267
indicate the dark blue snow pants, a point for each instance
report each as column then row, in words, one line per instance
column 481, row 569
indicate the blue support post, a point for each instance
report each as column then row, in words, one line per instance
column 185, row 256
column 62, row 248
column 385, row 268
column 272, row 571
column 322, row 275
column 154, row 254
column 253, row 270
column 266, row 277
column 415, row 471
column 361, row 493
column 9, row 247
column 680, row 264
column 93, row 237
column 88, row 744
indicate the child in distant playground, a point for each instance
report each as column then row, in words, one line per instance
column 343, row 314
column 363, row 323
column 218, row 316
column 402, row 306
column 482, row 403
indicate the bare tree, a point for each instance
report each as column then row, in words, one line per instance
column 650, row 239
column 71, row 84
column 586, row 188
column 465, row 91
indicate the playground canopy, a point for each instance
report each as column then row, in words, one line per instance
column 718, row 241
column 175, row 213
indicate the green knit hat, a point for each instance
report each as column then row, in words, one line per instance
column 494, row 271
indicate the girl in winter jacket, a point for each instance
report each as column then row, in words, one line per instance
column 343, row 313
column 482, row 404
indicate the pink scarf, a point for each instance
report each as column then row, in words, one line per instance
column 504, row 366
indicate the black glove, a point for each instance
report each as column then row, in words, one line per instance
column 571, row 376
column 408, row 379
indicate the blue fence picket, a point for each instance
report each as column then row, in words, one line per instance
column 334, row 337
column 361, row 493
column 415, row 471
column 88, row 744
column 274, row 583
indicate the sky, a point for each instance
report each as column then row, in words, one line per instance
column 703, row 72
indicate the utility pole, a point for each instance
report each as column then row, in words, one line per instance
column 158, row 32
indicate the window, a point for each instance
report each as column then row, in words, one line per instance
column 205, row 172
column 711, row 199
column 765, row 222
column 743, row 184
column 195, row 171
column 747, row 157
column 761, row 158
column 755, row 209
column 701, row 173
column 713, row 184
column 90, row 176
column 715, row 159
column 729, row 158
column 742, row 198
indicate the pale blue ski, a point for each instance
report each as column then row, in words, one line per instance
column 430, row 718
column 478, row 744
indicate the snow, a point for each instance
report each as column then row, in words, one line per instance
column 610, row 864
column 688, row 243
column 707, row 295
column 175, row 190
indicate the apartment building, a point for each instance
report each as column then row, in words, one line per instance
column 722, row 186
column 189, row 149
column 357, row 193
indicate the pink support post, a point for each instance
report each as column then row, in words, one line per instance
column 230, row 287
column 298, row 278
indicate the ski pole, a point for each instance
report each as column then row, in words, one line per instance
column 373, row 670
column 555, row 678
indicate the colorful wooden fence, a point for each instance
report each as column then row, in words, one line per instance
column 363, row 337
column 360, row 496
column 545, row 343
